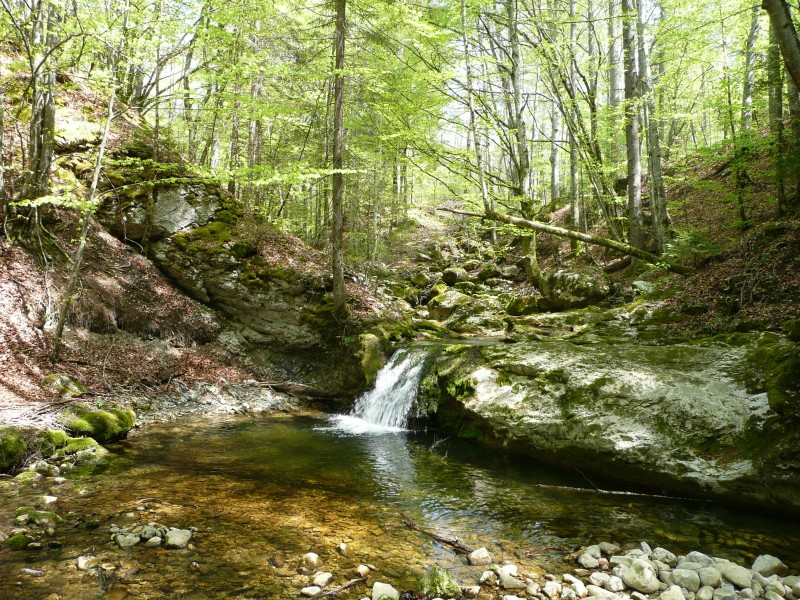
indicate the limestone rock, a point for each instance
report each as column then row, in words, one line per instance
column 322, row 579
column 665, row 556
column 177, row 538
column 384, row 591
column 480, row 557
column 768, row 565
column 641, row 576
column 575, row 289
column 552, row 589
column 673, row 592
column 311, row 560
column 453, row 275
column 709, row 576
column 310, row 591
column 615, row 584
column 598, row 592
column 442, row 306
column 126, row 540
column 688, row 580
column 705, row 593
column 736, row 574
column 587, row 561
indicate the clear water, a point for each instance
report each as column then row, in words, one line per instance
column 267, row 490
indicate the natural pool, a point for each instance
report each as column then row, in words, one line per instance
column 263, row 491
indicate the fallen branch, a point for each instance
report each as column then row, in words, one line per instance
column 296, row 389
column 347, row 585
column 574, row 235
column 455, row 543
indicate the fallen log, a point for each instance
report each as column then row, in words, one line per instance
column 575, row 235
column 455, row 543
column 347, row 585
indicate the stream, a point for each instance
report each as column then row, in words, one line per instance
column 261, row 492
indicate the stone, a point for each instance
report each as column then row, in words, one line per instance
column 615, row 584
column 776, row 587
column 453, row 275
column 587, row 561
column 796, row 589
column 673, row 592
column 620, row 560
column 322, row 579
column 736, row 574
column 747, row 594
column 362, row 570
column 599, row 579
column 577, row 585
column 509, row 582
column 471, row 591
column 177, row 538
column 767, row 565
column 567, row 593
column 710, row 576
column 646, row 549
column 126, row 540
column 310, row 591
column 84, row 563
column 598, row 592
column 445, row 304
column 32, row 572
column 479, row 557
column 488, row 578
column 384, row 591
column 593, row 551
column 698, row 557
column 153, row 542
column 311, row 560
column 552, row 589
column 705, row 593
column 771, row 595
column 641, row 576
column 665, row 556
column 688, row 580
column 608, row 549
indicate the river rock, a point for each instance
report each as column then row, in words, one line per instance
column 479, row 557
column 362, row 570
column 641, row 576
column 587, row 561
column 673, row 592
column 599, row 579
column 154, row 542
column 310, row 591
column 564, row 289
column 778, row 588
column 32, row 572
column 126, row 540
column 84, row 563
column 796, row 589
column 576, row 584
column 471, row 591
column 724, row 593
column 614, row 584
column 322, row 579
column 384, row 591
column 551, row 589
column 688, row 580
column 767, row 565
column 770, row 595
column 664, row 556
column 509, row 582
column 736, row 574
column 438, row 582
column 710, row 576
column 705, row 593
column 598, row 592
column 311, row 560
column 177, row 538
column 698, row 557
column 608, row 549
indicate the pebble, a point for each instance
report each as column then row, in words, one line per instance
column 362, row 570
column 480, row 557
column 673, row 592
column 177, row 538
column 551, row 589
column 311, row 560
column 32, row 572
column 587, row 561
column 310, row 591
column 322, row 579
column 471, row 591
column 599, row 579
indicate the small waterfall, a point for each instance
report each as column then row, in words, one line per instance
column 386, row 406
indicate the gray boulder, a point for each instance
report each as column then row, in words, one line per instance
column 768, row 565
column 575, row 289
column 641, row 576
column 177, row 538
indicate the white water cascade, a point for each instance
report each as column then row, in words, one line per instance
column 386, row 406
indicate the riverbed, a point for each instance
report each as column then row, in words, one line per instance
column 262, row 491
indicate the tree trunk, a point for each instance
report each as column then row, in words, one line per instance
column 555, row 175
column 775, row 83
column 634, row 170
column 786, row 35
column 337, row 232
column 749, row 78
column 87, row 217
column 576, row 235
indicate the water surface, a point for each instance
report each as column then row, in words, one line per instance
column 262, row 492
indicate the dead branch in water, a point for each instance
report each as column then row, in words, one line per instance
column 347, row 585
column 455, row 543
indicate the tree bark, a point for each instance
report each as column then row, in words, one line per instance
column 749, row 78
column 775, row 83
column 337, row 184
column 786, row 35
column 634, row 163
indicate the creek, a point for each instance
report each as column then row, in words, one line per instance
column 262, row 491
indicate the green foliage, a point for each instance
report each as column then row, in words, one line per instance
column 13, row 448
column 691, row 246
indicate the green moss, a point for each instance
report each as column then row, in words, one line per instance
column 27, row 477
column 19, row 541
column 76, row 445
column 12, row 448
column 439, row 583
column 772, row 368
column 102, row 425
column 522, row 305
column 38, row 517
column 80, row 427
column 227, row 216
column 65, row 385
column 369, row 355
column 55, row 438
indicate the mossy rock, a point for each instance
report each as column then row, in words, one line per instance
column 75, row 445
column 13, row 448
column 28, row 477
column 522, row 305
column 19, row 541
column 38, row 517
column 369, row 355
column 792, row 329
column 54, row 438
column 439, row 583
column 102, row 425
column 66, row 386
column 772, row 368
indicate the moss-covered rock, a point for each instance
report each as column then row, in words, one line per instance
column 41, row 518
column 66, row 386
column 75, row 445
column 13, row 448
column 28, row 477
column 55, row 438
column 439, row 583
column 369, row 355
column 102, row 425
column 19, row 541
column 523, row 305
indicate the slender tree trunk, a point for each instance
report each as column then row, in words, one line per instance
column 615, row 88
column 337, row 232
column 749, row 70
column 635, row 233
column 555, row 174
column 786, row 35
column 793, row 153
column 775, row 82
column 87, row 217
column 658, row 198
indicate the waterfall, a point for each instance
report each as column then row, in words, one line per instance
column 386, row 406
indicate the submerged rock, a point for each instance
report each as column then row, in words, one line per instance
column 177, row 538
column 384, row 591
column 438, row 582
